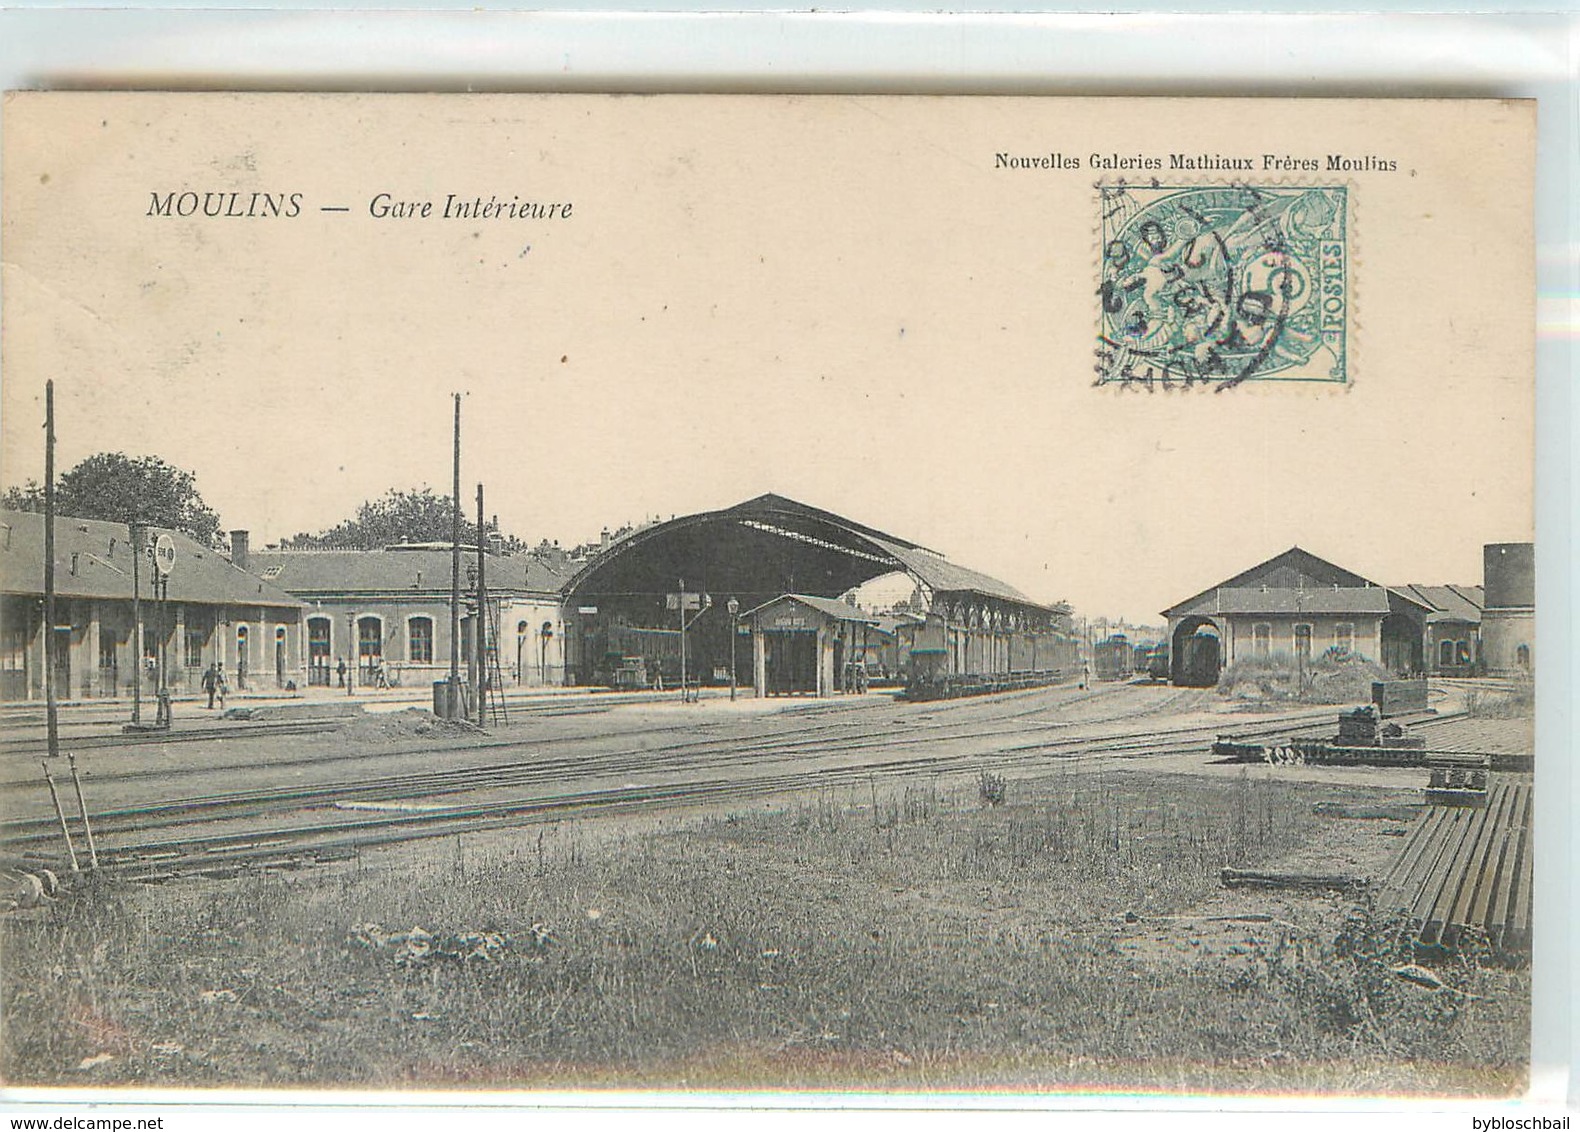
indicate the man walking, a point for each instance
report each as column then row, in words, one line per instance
column 209, row 684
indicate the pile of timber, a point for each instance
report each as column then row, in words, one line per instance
column 1466, row 868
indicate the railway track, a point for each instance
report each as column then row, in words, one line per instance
column 308, row 823
column 796, row 740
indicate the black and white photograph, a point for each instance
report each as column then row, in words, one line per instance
column 720, row 593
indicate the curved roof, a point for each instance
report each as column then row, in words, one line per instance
column 772, row 545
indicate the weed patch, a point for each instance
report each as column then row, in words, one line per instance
column 915, row 939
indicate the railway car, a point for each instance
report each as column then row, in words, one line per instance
column 1158, row 661
column 1113, row 658
column 946, row 659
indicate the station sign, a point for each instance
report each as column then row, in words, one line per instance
column 164, row 555
column 587, row 610
column 689, row 602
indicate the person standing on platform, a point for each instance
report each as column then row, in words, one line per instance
column 340, row 672
column 209, row 684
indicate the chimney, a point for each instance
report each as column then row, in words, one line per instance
column 238, row 549
column 496, row 543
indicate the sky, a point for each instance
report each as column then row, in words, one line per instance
column 840, row 301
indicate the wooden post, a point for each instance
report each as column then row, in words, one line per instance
column 452, row 708
column 52, row 718
column 54, row 796
column 482, row 614
column 87, row 828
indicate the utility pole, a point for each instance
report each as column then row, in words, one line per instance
column 136, row 530
column 682, row 640
column 453, row 700
column 52, row 716
column 482, row 613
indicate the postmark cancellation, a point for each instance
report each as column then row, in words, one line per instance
column 1218, row 284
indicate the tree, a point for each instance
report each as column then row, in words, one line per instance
column 122, row 489
column 398, row 516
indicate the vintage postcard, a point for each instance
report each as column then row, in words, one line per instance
column 822, row 594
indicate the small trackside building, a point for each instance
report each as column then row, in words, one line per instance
column 807, row 645
column 213, row 612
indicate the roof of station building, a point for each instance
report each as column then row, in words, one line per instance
column 774, row 545
column 1448, row 603
column 1293, row 582
column 829, row 607
column 327, row 573
column 93, row 559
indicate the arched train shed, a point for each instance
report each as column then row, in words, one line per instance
column 620, row 604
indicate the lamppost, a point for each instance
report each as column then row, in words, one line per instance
column 734, row 607
column 352, row 648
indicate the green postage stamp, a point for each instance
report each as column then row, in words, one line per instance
column 1219, row 284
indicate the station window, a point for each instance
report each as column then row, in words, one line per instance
column 196, row 635
column 419, row 640
column 1262, row 639
column 1462, row 652
column 13, row 649
column 1303, row 640
column 1344, row 637
column 1445, row 653
column 370, row 642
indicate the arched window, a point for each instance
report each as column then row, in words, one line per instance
column 370, row 643
column 1462, row 652
column 1445, row 653
column 419, row 640
column 318, row 632
column 1261, row 639
column 1344, row 637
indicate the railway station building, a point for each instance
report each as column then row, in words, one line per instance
column 775, row 560
column 388, row 611
column 211, row 611
column 1293, row 605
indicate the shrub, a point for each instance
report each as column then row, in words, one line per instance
column 1332, row 678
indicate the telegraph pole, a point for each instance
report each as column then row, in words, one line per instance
column 682, row 640
column 135, row 529
column 52, row 715
column 453, row 701
column 482, row 613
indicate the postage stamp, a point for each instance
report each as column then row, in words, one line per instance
column 1219, row 284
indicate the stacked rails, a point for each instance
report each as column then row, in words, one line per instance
column 1468, row 868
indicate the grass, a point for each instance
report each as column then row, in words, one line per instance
column 1518, row 702
column 917, row 939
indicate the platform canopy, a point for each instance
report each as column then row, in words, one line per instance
column 768, row 546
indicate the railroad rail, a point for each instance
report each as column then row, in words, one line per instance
column 300, row 824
